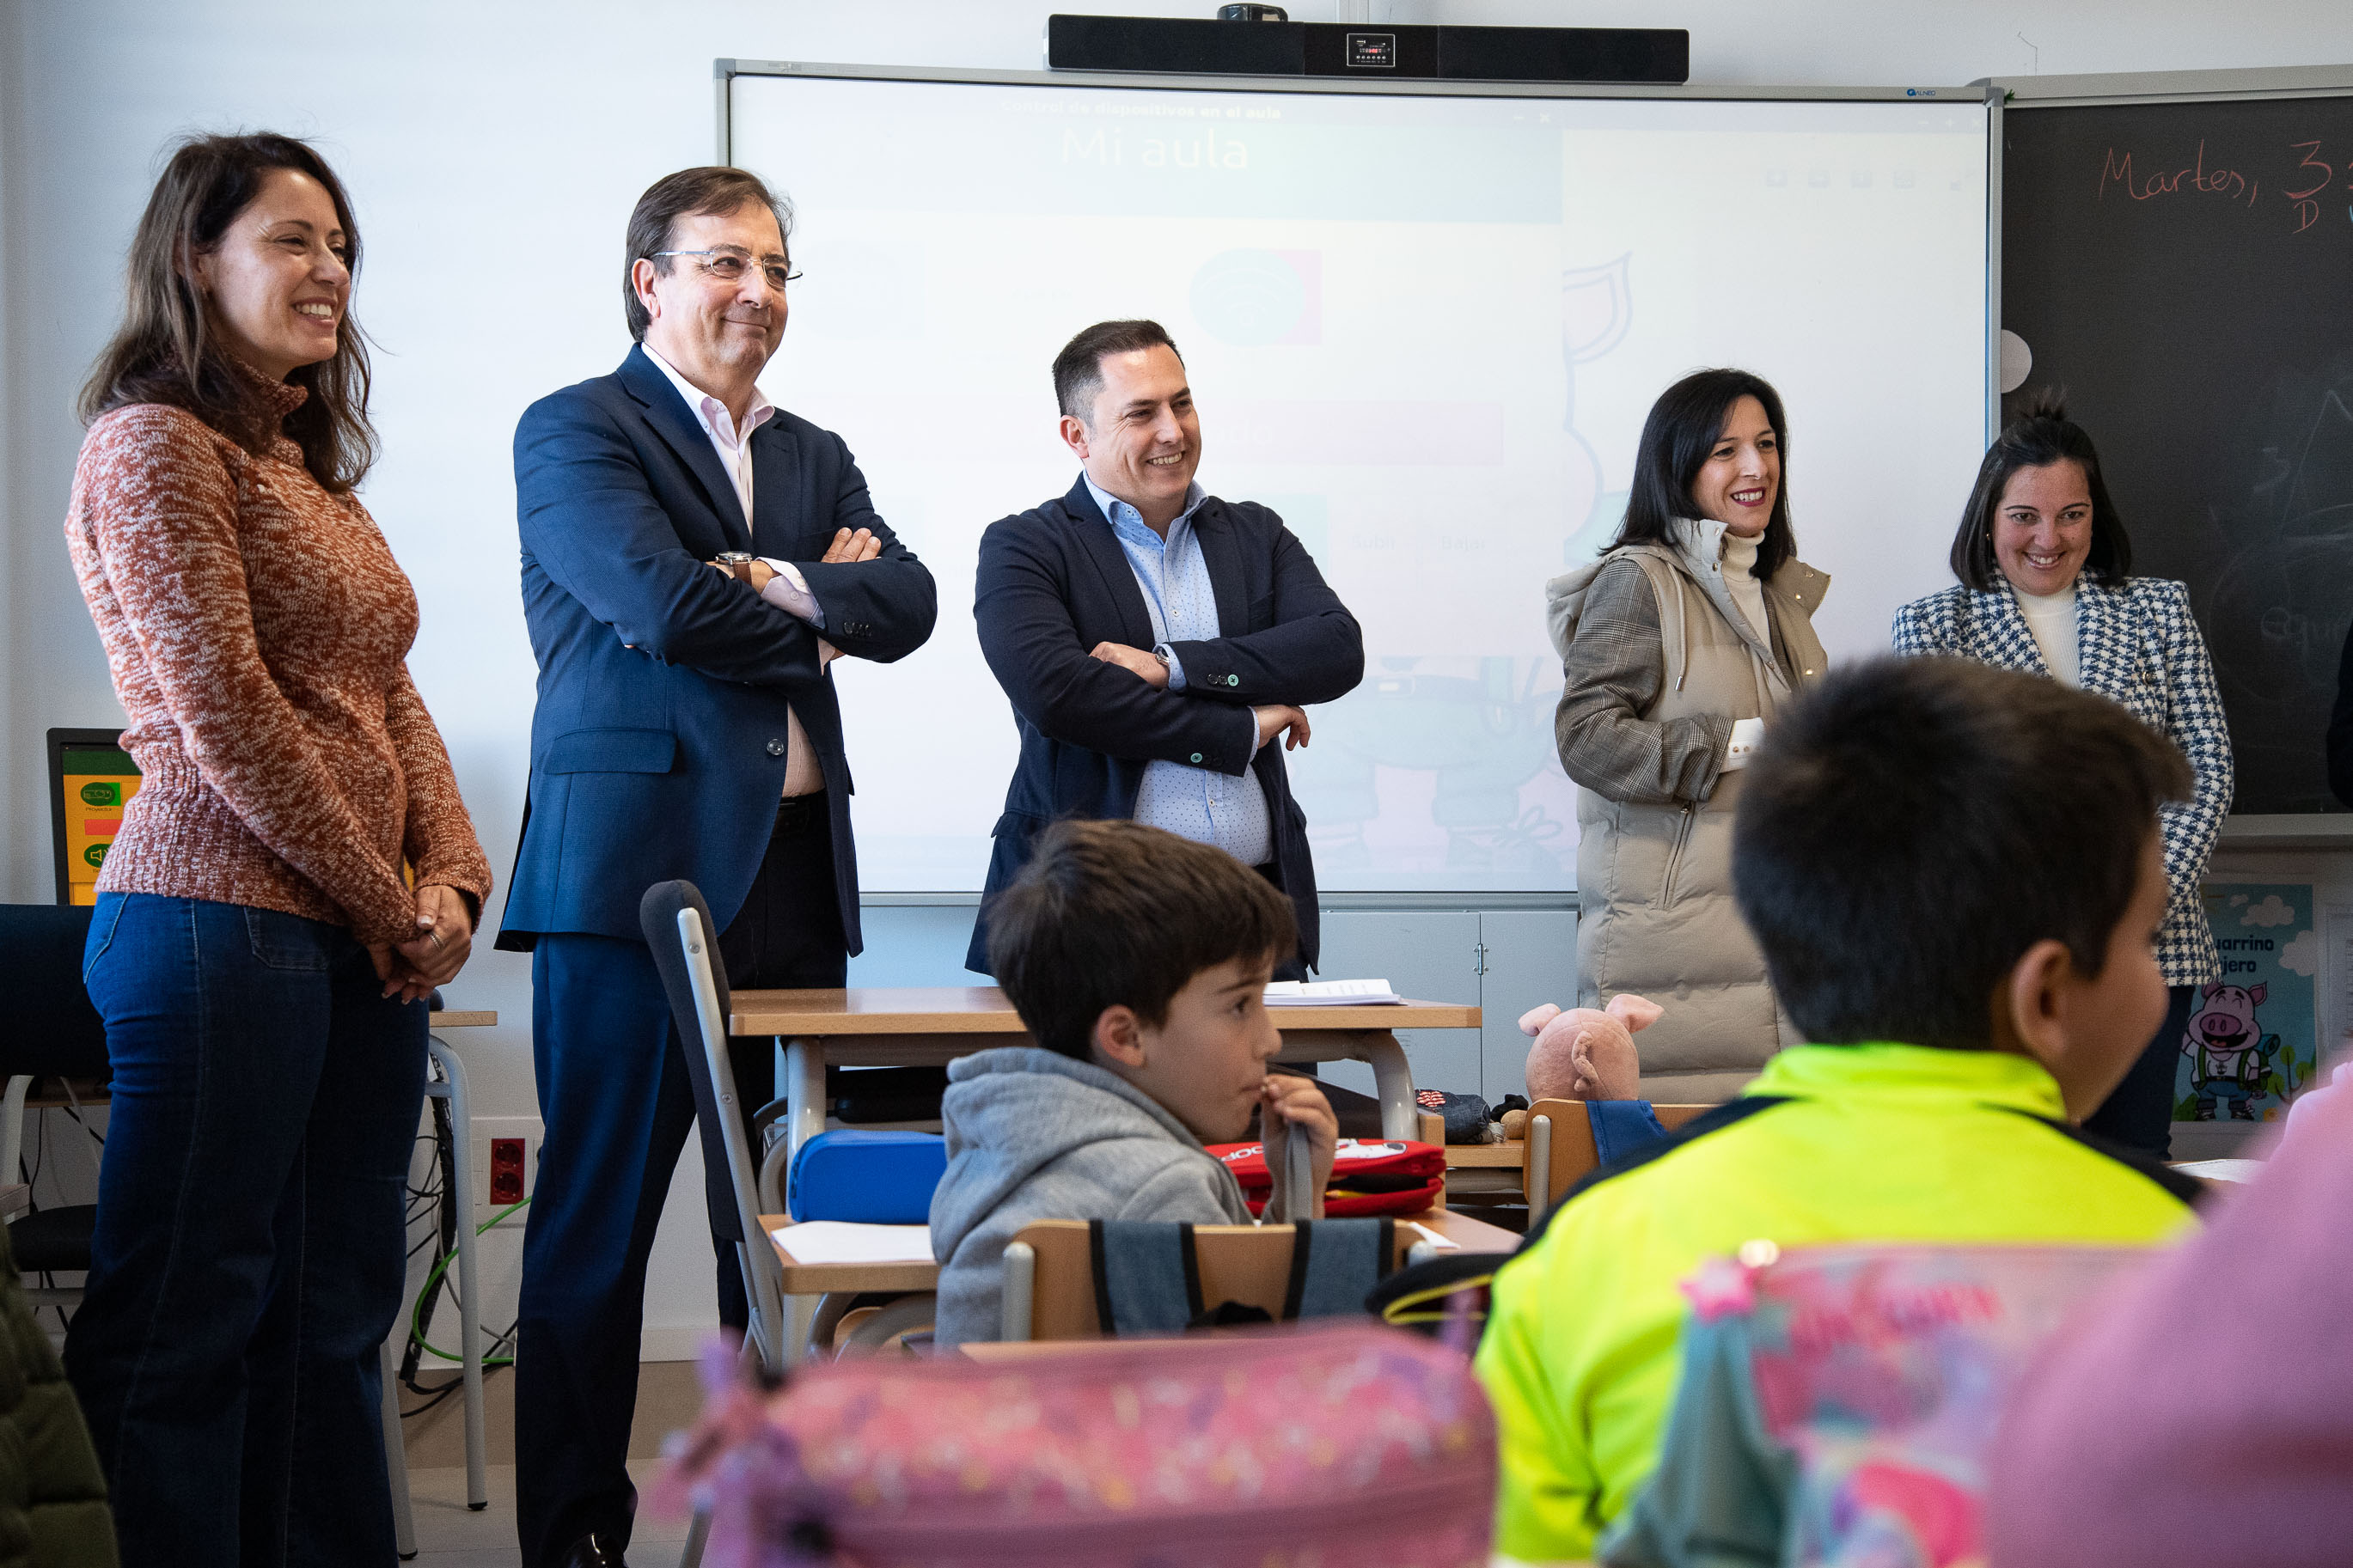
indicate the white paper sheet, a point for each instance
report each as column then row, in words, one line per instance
column 1432, row 1237
column 2221, row 1170
column 1331, row 994
column 837, row 1241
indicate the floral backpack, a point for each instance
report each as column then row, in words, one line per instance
column 1356, row 1444
column 1838, row 1404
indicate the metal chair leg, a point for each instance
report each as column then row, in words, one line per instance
column 469, row 1324
column 696, row 1534
column 396, row 1455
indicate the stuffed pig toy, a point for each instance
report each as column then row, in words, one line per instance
column 1586, row 1053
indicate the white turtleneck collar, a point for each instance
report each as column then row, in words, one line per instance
column 2052, row 617
column 1740, row 581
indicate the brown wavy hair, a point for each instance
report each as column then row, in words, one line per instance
column 166, row 351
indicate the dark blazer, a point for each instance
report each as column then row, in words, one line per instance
column 1053, row 582
column 657, row 746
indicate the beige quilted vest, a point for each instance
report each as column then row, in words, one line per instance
column 1655, row 911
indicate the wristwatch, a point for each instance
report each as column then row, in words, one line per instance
column 738, row 564
column 1160, row 652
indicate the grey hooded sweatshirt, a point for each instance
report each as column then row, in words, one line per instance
column 1034, row 1134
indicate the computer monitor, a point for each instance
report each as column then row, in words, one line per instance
column 92, row 779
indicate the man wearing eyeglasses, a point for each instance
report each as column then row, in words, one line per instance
column 693, row 557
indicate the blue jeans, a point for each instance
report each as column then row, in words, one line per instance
column 249, row 1255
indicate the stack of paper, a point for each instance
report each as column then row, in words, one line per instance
column 2221, row 1170
column 837, row 1241
column 1331, row 994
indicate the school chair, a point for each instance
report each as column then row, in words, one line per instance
column 54, row 1032
column 677, row 928
column 1066, row 1279
column 682, row 936
column 1560, row 1146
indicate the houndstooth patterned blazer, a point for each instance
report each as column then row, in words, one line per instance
column 2138, row 646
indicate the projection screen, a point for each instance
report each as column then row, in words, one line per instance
column 1423, row 327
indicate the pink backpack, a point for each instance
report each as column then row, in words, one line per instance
column 1351, row 1444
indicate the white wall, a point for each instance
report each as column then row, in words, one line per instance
column 494, row 150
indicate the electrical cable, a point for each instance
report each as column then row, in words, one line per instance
column 417, row 1326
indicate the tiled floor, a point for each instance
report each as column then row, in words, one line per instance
column 450, row 1535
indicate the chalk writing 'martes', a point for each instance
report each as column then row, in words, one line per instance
column 2117, row 169
column 2299, row 184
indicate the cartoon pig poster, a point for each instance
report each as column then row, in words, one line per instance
column 2252, row 1037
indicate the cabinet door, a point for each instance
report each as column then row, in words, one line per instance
column 1531, row 960
column 1427, row 955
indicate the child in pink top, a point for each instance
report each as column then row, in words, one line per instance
column 2202, row 1416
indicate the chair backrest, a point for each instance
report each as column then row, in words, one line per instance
column 684, row 940
column 1249, row 1265
column 1560, row 1141
column 52, row 1030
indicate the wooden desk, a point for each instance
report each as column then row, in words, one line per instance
column 927, row 1026
column 1469, row 1234
column 816, row 1279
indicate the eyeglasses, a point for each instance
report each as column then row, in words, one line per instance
column 728, row 264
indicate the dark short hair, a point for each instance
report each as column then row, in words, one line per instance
column 164, row 350
column 2042, row 435
column 1682, row 430
column 1078, row 368
column 1115, row 913
column 1911, row 826
column 714, row 191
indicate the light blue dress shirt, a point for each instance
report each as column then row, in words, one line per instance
column 1199, row 803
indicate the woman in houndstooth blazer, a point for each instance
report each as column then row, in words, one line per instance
column 2046, row 587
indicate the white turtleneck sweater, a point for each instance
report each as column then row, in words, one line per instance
column 1748, row 598
column 1740, row 576
column 2052, row 618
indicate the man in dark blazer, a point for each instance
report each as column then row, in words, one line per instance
column 686, row 727
column 1155, row 640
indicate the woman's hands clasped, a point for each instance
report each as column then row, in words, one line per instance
column 444, row 941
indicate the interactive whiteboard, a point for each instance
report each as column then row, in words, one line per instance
column 1423, row 327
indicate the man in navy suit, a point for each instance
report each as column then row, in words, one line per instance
column 1153, row 639
column 686, row 727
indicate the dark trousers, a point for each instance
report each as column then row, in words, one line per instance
column 248, row 1258
column 2139, row 1113
column 617, row 1104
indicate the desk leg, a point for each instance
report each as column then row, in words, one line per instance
column 805, row 1090
column 1393, row 1080
column 804, row 1100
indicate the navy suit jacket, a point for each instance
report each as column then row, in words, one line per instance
column 1053, row 582
column 657, row 745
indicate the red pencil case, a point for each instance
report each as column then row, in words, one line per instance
column 1368, row 1177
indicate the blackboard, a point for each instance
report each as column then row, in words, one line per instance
column 2184, row 270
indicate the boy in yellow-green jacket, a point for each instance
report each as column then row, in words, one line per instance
column 1954, row 874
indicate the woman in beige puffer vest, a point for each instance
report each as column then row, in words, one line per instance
column 1677, row 647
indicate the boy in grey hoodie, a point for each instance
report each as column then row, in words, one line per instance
column 1139, row 962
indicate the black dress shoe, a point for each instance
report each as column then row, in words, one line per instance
column 593, row 1550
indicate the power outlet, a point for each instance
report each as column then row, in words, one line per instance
column 506, row 1151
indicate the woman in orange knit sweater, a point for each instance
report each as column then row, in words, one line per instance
column 256, row 953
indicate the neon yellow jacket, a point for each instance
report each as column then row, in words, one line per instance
column 1878, row 1142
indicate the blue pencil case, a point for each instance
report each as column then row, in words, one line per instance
column 867, row 1177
